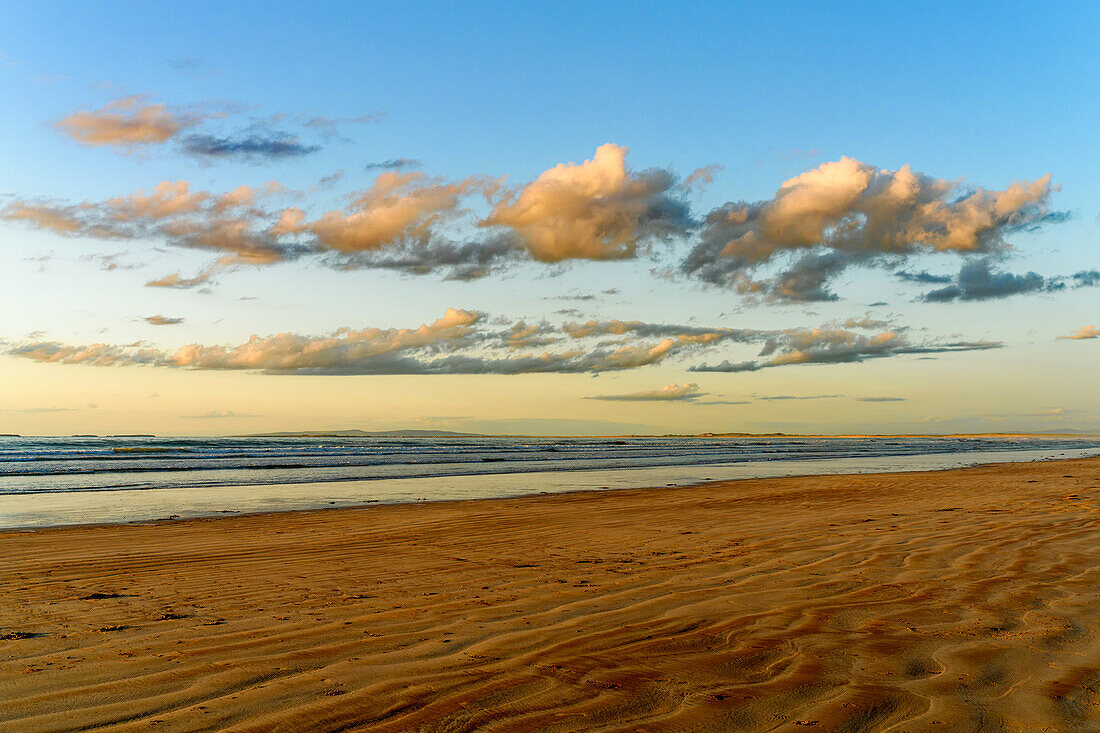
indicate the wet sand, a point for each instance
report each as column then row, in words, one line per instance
column 963, row 600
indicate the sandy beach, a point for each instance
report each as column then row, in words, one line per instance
column 963, row 600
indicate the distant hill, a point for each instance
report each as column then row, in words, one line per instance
column 367, row 434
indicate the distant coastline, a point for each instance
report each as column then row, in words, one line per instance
column 366, row 434
column 353, row 433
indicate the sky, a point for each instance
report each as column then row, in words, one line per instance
column 569, row 218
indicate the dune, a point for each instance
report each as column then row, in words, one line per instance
column 962, row 600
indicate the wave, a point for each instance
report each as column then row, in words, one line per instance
column 59, row 465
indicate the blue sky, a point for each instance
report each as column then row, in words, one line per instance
column 982, row 96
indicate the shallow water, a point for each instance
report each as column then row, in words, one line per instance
column 43, row 465
column 45, row 482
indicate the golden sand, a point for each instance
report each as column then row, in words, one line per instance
column 965, row 600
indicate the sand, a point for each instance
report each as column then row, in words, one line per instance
column 962, row 600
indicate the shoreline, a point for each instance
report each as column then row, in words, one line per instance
column 19, row 512
column 920, row 600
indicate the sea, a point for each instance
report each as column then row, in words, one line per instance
column 47, row 481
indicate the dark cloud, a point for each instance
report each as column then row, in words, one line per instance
column 251, row 148
column 185, row 63
column 393, row 164
column 1086, row 279
column 470, row 260
column 924, row 277
column 584, row 296
column 808, row 278
column 977, row 280
column 193, row 66
column 880, row 399
column 729, row 367
column 331, row 180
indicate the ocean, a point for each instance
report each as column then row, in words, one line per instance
column 55, row 480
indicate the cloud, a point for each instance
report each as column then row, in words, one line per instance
column 175, row 280
column 880, row 399
column 1085, row 332
column 41, row 410
column 1086, row 278
column 345, row 348
column 462, row 261
column 395, row 224
column 218, row 414
column 453, row 344
column 329, row 126
column 977, row 280
column 393, row 164
column 847, row 212
column 668, row 393
column 228, row 222
column 1056, row 412
column 785, row 397
column 130, row 123
column 125, row 123
column 837, row 346
column 52, row 352
column 193, row 66
column 330, row 180
column 524, row 336
column 865, row 322
column 792, row 247
column 700, row 178
column 701, row 334
column 923, row 277
column 253, row 148
column 162, row 320
column 597, row 210
column 185, row 63
column 463, row 342
column 62, row 220
column 805, row 280
column 400, row 208
column 403, row 221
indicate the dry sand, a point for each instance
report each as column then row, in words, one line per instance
column 960, row 600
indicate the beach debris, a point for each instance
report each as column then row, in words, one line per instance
column 170, row 616
column 101, row 596
column 14, row 635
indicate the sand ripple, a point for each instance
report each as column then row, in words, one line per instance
column 954, row 601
